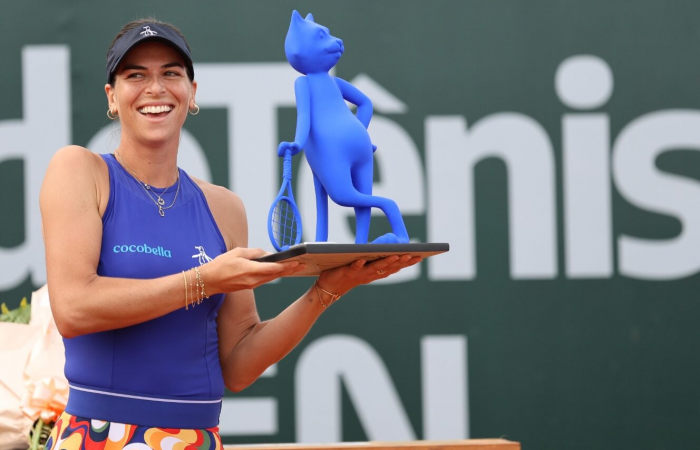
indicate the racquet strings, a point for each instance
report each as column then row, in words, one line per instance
column 284, row 224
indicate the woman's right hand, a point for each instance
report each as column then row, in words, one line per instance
column 236, row 270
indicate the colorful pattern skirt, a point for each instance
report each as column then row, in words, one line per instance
column 78, row 433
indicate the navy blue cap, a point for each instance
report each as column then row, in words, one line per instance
column 143, row 33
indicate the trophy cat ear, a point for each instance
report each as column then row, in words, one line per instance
column 293, row 41
column 296, row 16
column 310, row 18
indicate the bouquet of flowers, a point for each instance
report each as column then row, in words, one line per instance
column 33, row 389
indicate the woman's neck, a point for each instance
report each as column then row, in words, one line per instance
column 156, row 166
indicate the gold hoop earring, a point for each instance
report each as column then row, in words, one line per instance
column 112, row 115
column 194, row 111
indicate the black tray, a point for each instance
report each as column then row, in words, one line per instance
column 320, row 256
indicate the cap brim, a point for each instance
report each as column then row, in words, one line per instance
column 134, row 37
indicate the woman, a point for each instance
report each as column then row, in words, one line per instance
column 151, row 281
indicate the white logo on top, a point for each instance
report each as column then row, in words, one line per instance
column 202, row 255
column 148, row 32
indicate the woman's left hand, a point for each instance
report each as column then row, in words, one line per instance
column 342, row 279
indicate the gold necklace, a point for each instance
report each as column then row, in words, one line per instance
column 160, row 203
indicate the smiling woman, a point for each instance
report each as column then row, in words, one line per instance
column 150, row 76
column 151, row 95
column 150, row 278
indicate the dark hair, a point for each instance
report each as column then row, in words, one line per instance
column 148, row 20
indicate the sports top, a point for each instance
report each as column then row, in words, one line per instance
column 164, row 372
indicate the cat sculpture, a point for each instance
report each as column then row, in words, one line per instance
column 336, row 142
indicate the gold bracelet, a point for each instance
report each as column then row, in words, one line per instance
column 200, row 283
column 334, row 297
column 189, row 277
column 184, row 277
column 195, row 294
column 319, row 296
column 194, row 301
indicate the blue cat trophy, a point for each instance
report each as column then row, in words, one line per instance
column 338, row 149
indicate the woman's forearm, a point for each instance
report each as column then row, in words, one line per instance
column 268, row 342
column 105, row 303
column 253, row 346
column 88, row 304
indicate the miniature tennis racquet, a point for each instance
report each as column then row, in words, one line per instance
column 284, row 220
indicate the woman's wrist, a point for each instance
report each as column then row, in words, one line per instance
column 208, row 277
column 325, row 297
column 195, row 290
column 329, row 284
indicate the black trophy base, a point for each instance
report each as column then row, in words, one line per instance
column 320, row 256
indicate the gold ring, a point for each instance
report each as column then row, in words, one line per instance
column 381, row 272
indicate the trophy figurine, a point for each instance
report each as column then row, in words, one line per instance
column 338, row 149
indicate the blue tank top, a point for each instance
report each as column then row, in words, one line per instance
column 164, row 372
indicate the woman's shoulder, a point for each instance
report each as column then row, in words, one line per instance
column 75, row 152
column 77, row 159
column 221, row 198
column 228, row 211
column 76, row 165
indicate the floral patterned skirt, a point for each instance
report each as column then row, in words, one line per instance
column 78, row 433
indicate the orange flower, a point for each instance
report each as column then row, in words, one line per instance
column 45, row 398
